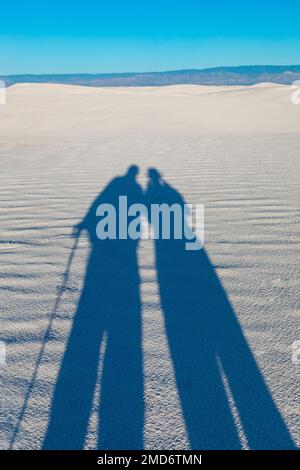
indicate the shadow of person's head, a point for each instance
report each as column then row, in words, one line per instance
column 155, row 177
column 132, row 172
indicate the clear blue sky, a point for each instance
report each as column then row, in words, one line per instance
column 68, row 36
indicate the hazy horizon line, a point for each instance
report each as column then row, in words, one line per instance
column 202, row 69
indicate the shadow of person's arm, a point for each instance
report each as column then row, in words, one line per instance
column 88, row 222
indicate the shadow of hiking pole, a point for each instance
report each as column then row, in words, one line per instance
column 52, row 316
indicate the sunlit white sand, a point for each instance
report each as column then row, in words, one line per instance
column 234, row 149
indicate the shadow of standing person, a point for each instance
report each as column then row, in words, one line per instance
column 208, row 348
column 109, row 308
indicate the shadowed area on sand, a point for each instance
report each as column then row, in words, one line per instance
column 209, row 351
column 109, row 305
column 207, row 346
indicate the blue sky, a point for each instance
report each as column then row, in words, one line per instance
column 69, row 36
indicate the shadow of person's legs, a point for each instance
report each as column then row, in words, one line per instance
column 190, row 333
column 74, row 391
column 122, row 402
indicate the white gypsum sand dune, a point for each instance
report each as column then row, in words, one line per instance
column 234, row 149
column 42, row 113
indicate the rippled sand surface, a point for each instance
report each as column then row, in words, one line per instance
column 235, row 150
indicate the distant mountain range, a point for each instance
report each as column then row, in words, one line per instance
column 242, row 75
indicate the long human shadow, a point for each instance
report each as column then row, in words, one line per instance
column 110, row 308
column 212, row 361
